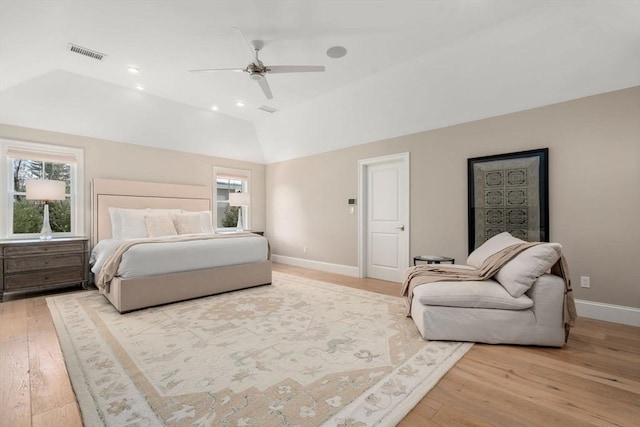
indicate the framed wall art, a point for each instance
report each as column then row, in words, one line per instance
column 509, row 192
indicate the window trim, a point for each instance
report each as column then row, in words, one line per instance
column 246, row 211
column 77, row 186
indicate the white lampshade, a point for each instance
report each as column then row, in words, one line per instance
column 239, row 199
column 44, row 189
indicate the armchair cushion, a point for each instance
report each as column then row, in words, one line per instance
column 490, row 247
column 519, row 274
column 470, row 294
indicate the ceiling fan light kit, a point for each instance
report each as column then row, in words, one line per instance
column 257, row 70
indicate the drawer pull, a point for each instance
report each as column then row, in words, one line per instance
column 46, row 263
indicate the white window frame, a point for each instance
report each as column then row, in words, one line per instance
column 6, row 180
column 244, row 174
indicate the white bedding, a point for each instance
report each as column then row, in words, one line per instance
column 174, row 257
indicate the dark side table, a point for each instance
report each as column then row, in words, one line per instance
column 433, row 259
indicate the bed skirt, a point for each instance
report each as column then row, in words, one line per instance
column 141, row 292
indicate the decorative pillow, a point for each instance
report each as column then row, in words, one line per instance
column 188, row 223
column 470, row 294
column 159, row 225
column 519, row 274
column 162, row 211
column 205, row 217
column 205, row 221
column 490, row 247
column 131, row 224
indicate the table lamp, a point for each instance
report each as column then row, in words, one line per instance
column 240, row 200
column 45, row 190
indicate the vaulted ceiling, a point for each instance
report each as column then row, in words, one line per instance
column 410, row 66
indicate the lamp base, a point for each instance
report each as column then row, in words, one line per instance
column 46, row 233
column 239, row 225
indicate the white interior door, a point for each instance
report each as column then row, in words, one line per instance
column 386, row 235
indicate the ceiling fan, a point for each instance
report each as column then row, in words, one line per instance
column 257, row 70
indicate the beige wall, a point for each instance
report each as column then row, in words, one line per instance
column 594, row 173
column 594, row 148
column 114, row 160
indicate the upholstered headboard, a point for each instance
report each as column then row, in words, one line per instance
column 106, row 193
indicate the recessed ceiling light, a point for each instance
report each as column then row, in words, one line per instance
column 133, row 70
column 139, row 87
column 214, row 107
column 239, row 104
column 336, row 52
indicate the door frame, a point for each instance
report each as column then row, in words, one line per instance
column 363, row 166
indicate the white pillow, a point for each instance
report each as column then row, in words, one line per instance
column 129, row 223
column 156, row 211
column 188, row 223
column 116, row 222
column 159, row 225
column 490, row 247
column 519, row 274
column 205, row 217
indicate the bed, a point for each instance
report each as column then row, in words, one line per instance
column 140, row 290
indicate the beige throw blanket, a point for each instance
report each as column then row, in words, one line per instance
column 111, row 265
column 430, row 273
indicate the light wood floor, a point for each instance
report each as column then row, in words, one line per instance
column 593, row 380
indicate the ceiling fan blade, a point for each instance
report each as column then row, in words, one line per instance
column 265, row 87
column 294, row 68
column 207, row 70
column 240, row 35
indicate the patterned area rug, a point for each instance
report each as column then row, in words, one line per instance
column 296, row 353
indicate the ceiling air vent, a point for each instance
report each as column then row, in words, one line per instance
column 267, row 109
column 86, row 52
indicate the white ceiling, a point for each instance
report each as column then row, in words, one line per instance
column 411, row 66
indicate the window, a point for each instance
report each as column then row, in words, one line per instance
column 23, row 161
column 230, row 181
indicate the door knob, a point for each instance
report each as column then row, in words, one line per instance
column 401, row 228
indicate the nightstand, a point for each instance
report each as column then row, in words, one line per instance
column 36, row 264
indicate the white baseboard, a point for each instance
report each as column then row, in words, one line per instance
column 609, row 312
column 592, row 310
column 346, row 270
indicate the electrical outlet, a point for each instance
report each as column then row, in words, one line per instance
column 304, row 249
column 585, row 282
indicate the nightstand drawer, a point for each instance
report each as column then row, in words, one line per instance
column 30, row 263
column 44, row 248
column 44, row 278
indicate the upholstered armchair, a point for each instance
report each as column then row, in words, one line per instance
column 522, row 303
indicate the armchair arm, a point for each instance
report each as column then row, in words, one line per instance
column 547, row 294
